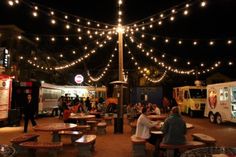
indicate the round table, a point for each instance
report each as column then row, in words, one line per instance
column 6, row 150
column 55, row 128
column 157, row 117
column 210, row 152
column 188, row 125
column 81, row 118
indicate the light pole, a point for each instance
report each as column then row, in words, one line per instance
column 118, row 126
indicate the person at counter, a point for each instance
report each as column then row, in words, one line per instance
column 144, row 124
column 174, row 129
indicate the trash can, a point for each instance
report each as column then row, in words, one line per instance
column 118, row 124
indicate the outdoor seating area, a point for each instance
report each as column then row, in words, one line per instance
column 79, row 140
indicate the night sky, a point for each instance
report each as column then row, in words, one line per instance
column 215, row 21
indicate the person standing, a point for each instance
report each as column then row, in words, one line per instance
column 29, row 112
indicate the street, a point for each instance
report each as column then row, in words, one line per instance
column 225, row 133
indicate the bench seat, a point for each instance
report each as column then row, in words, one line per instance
column 32, row 146
column 73, row 134
column 86, row 145
column 188, row 145
column 23, row 138
column 138, row 146
column 108, row 120
column 208, row 140
column 101, row 128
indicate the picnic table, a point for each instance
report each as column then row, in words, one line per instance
column 55, row 128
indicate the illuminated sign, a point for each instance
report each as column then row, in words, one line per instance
column 79, row 79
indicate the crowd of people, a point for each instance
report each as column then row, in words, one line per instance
column 67, row 106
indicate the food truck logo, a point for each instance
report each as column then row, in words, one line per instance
column 79, row 79
column 212, row 98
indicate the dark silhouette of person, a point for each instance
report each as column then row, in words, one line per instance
column 88, row 104
column 29, row 112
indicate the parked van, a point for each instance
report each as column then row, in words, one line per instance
column 221, row 102
column 190, row 99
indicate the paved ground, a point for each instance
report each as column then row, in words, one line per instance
column 119, row 145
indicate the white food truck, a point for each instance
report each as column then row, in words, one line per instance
column 190, row 99
column 221, row 102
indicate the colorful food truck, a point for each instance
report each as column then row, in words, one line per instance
column 221, row 102
column 190, row 99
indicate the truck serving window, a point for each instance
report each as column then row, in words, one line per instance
column 233, row 94
column 198, row 93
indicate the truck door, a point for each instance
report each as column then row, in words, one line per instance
column 186, row 100
column 224, row 108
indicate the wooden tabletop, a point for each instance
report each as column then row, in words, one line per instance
column 157, row 117
column 55, row 127
column 79, row 116
column 188, row 125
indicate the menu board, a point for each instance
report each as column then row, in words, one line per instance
column 5, row 91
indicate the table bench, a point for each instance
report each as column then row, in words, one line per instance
column 101, row 128
column 51, row 147
column 84, row 128
column 93, row 124
column 138, row 146
column 108, row 120
column 208, row 140
column 74, row 135
column 23, row 138
column 86, row 145
column 170, row 148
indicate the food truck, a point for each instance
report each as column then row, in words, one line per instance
column 190, row 99
column 221, row 102
column 46, row 95
column 5, row 96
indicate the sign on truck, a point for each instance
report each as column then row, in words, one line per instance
column 190, row 99
column 221, row 102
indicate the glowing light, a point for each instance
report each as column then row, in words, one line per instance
column 37, row 39
column 172, row 18
column 11, row 3
column 195, row 43
column 35, row 14
column 211, row 43
column 229, row 42
column 186, row 12
column 19, row 37
column 53, row 21
column 203, row 4
column 120, row 29
column 67, row 26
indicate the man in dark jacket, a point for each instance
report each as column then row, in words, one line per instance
column 174, row 128
column 29, row 112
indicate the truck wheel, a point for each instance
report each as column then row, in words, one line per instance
column 218, row 119
column 212, row 118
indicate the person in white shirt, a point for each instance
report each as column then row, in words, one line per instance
column 156, row 109
column 144, row 124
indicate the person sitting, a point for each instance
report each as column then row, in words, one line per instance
column 156, row 109
column 174, row 129
column 144, row 124
column 66, row 114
